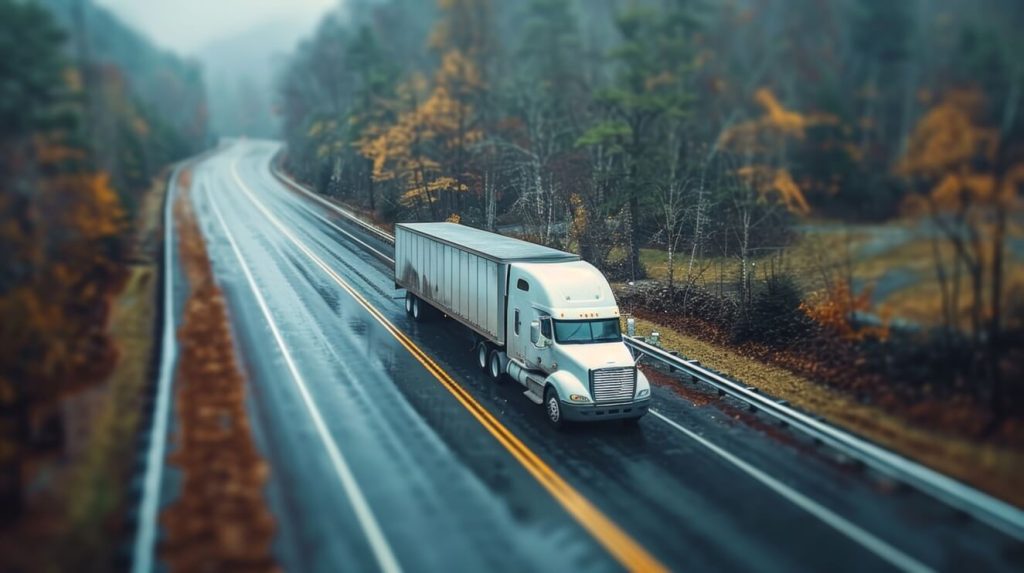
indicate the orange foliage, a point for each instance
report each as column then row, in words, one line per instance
column 763, row 133
column 837, row 308
column 948, row 136
column 54, row 320
column 761, row 137
column 946, row 149
column 769, row 182
column 50, row 152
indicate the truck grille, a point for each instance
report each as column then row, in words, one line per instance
column 613, row 384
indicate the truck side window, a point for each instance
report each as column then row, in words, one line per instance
column 545, row 326
column 515, row 325
column 523, row 285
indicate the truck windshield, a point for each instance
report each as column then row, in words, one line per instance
column 587, row 331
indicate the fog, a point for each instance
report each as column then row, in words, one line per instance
column 188, row 26
column 240, row 44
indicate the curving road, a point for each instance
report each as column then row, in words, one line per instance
column 389, row 450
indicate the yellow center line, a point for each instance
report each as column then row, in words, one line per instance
column 617, row 542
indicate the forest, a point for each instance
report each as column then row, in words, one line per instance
column 90, row 114
column 716, row 158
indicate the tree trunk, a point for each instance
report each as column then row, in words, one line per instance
column 370, row 186
column 996, row 309
column 636, row 270
column 744, row 255
column 671, row 270
column 697, row 240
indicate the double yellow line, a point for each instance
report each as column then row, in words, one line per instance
column 617, row 542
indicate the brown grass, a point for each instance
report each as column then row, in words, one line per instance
column 220, row 521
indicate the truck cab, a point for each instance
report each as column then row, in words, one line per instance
column 565, row 344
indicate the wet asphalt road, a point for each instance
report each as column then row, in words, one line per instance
column 376, row 465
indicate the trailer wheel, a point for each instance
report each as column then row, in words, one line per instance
column 494, row 366
column 408, row 302
column 553, row 408
column 483, row 355
column 419, row 309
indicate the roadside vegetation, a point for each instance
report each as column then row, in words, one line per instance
column 220, row 520
column 831, row 188
column 83, row 148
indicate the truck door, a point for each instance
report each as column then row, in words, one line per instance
column 540, row 354
column 521, row 315
column 516, row 346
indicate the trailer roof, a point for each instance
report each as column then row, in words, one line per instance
column 489, row 245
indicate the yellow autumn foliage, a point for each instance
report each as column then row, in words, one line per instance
column 416, row 148
column 775, row 184
column 948, row 136
column 760, row 137
column 945, row 148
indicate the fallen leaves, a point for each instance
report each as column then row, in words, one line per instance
column 221, row 521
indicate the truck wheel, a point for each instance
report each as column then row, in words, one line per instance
column 408, row 302
column 482, row 356
column 553, row 408
column 419, row 310
column 494, row 366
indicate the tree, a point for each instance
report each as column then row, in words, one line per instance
column 969, row 174
column 649, row 97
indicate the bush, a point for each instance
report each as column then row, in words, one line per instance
column 774, row 315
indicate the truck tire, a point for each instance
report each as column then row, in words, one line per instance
column 420, row 309
column 553, row 408
column 483, row 355
column 408, row 302
column 494, row 366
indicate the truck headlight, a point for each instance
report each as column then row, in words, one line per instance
column 578, row 398
column 643, row 393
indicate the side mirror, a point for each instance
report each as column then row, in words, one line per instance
column 535, row 333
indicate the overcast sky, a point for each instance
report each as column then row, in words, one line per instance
column 185, row 26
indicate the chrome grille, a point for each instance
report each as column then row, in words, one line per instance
column 613, row 384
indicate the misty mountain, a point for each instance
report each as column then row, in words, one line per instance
column 239, row 74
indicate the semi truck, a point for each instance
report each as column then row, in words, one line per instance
column 539, row 316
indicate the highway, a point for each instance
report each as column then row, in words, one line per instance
column 389, row 450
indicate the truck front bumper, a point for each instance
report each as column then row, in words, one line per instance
column 598, row 412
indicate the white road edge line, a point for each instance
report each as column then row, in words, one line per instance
column 378, row 543
column 873, row 544
column 145, row 536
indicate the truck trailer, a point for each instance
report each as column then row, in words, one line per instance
column 542, row 317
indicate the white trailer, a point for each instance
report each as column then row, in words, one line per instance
column 541, row 316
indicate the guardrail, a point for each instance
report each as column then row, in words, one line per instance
column 983, row 507
column 145, row 535
column 366, row 226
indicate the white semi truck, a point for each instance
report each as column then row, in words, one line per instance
column 543, row 317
